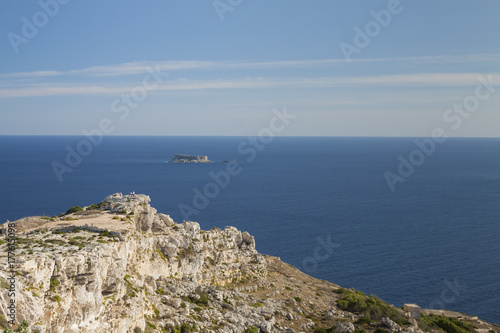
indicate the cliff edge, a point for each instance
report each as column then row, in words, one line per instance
column 120, row 266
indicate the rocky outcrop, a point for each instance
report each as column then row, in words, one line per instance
column 85, row 277
column 181, row 158
column 120, row 266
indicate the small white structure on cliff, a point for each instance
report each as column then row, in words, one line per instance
column 412, row 310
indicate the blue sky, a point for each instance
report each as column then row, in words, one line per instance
column 225, row 77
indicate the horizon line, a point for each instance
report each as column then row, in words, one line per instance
column 244, row 136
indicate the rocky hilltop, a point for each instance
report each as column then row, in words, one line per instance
column 181, row 158
column 120, row 266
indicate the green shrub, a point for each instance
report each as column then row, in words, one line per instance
column 298, row 299
column 106, row 233
column 251, row 329
column 74, row 209
column 156, row 311
column 363, row 321
column 56, row 298
column 54, row 282
column 160, row 254
column 257, row 305
column 23, row 328
column 153, row 326
column 288, row 288
column 187, row 252
column 185, row 328
column 447, row 324
column 201, row 300
column 370, row 307
column 160, row 291
column 95, row 206
column 325, row 330
column 380, row 330
column 312, row 317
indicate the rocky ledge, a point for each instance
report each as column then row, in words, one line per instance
column 120, row 266
column 181, row 158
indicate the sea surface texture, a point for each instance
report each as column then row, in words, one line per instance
column 321, row 204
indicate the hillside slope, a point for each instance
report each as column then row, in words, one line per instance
column 120, row 266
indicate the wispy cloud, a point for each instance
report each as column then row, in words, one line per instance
column 35, row 74
column 413, row 80
column 138, row 67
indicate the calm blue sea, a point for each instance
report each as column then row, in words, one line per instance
column 321, row 204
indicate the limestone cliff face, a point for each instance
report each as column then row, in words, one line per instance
column 88, row 280
column 120, row 266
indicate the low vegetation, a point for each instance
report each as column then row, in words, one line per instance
column 106, row 233
column 23, row 328
column 56, row 298
column 54, row 282
column 96, row 206
column 3, row 322
column 201, row 299
column 369, row 307
column 74, row 209
column 325, row 330
column 447, row 324
column 185, row 328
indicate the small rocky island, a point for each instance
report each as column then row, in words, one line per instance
column 182, row 158
column 119, row 266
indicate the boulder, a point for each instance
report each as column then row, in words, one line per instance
column 390, row 325
column 344, row 327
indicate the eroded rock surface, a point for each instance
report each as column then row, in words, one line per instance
column 120, row 266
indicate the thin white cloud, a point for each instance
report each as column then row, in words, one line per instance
column 35, row 74
column 408, row 80
column 138, row 67
column 141, row 67
column 59, row 90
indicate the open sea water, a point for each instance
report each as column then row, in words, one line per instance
column 322, row 204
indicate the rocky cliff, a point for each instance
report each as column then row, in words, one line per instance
column 120, row 266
